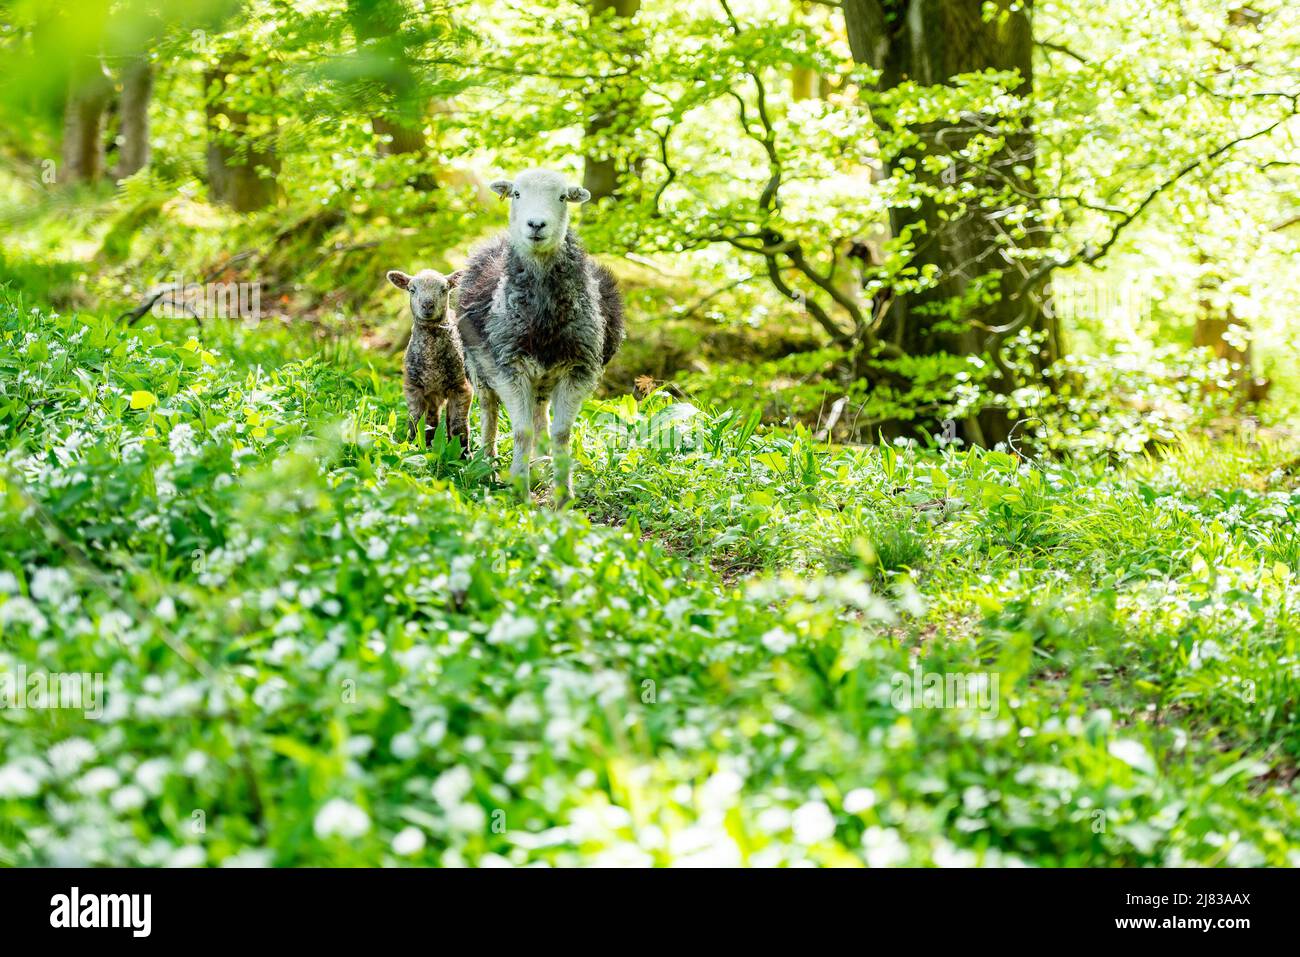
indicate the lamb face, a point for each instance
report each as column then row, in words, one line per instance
column 429, row 291
column 539, row 210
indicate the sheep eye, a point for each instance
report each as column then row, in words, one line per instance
column 515, row 194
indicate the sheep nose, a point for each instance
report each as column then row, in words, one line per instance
column 537, row 224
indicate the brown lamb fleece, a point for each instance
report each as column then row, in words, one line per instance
column 433, row 369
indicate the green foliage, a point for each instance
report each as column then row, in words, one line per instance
column 327, row 645
column 1128, row 402
column 1128, row 116
column 322, row 644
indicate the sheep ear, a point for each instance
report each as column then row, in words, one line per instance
column 501, row 187
column 454, row 279
column 399, row 279
column 577, row 194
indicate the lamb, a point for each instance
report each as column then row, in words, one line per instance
column 540, row 320
column 433, row 369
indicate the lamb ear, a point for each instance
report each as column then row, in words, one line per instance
column 577, row 194
column 399, row 279
column 454, row 279
column 501, row 187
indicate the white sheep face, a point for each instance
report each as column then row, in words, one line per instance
column 539, row 209
column 429, row 290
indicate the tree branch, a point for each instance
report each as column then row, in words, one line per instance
column 1060, row 48
column 1089, row 254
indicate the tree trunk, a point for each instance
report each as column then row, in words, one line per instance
column 242, row 165
column 1219, row 329
column 137, row 90
column 602, row 170
column 398, row 124
column 928, row 42
column 89, row 92
column 396, row 139
column 805, row 84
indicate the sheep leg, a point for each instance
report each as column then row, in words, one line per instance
column 415, row 409
column 519, row 400
column 458, row 420
column 489, row 409
column 540, row 422
column 434, row 408
column 565, row 406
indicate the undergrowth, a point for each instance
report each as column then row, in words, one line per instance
column 321, row 644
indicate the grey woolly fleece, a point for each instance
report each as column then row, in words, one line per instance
column 564, row 310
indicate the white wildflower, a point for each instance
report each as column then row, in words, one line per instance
column 859, row 800
column 50, row 584
column 813, row 822
column 128, row 798
column 69, row 755
column 166, row 609
column 341, row 818
column 452, row 786
column 181, row 440
column 509, row 630
column 98, row 780
column 191, row 855
column 249, row 857
column 778, row 641
column 409, row 841
column 17, row 782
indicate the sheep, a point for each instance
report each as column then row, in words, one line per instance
column 433, row 368
column 540, row 320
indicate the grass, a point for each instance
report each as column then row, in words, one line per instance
column 324, row 645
